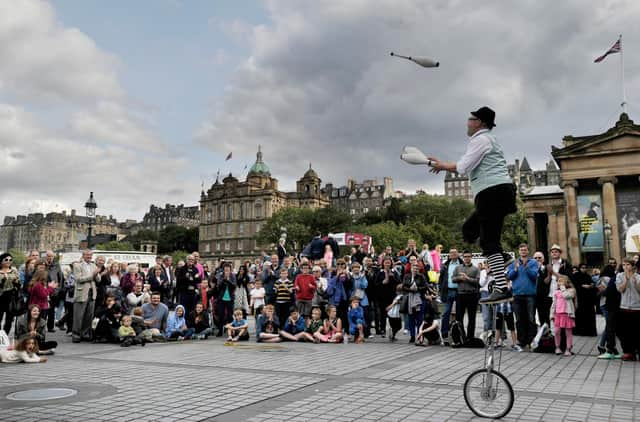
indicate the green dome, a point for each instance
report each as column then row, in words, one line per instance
column 259, row 167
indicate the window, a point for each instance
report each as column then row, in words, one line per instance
column 241, row 210
column 257, row 227
column 353, row 211
column 218, row 229
column 209, row 215
column 240, row 244
column 207, row 247
column 365, row 210
column 217, row 246
column 220, row 213
column 258, row 209
column 240, row 228
column 230, row 212
column 228, row 228
column 227, row 245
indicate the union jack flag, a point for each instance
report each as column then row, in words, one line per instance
column 615, row 49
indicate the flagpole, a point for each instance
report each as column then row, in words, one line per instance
column 624, row 93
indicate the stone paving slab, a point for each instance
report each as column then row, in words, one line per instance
column 377, row 381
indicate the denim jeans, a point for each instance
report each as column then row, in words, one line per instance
column 446, row 315
column 415, row 319
column 524, row 307
column 487, row 313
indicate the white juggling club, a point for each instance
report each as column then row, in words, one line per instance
column 422, row 61
column 413, row 155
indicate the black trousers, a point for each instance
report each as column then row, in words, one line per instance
column 381, row 317
column 612, row 321
column 492, row 205
column 629, row 332
column 543, row 306
column 467, row 302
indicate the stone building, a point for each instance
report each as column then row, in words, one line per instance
column 55, row 231
column 595, row 212
column 156, row 219
column 457, row 186
column 526, row 178
column 359, row 198
column 232, row 212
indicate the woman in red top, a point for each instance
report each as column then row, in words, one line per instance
column 39, row 291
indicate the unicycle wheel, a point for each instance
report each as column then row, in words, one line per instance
column 488, row 396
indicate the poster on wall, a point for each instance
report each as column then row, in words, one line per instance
column 590, row 224
column 628, row 202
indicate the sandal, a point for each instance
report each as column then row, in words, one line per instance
column 558, row 352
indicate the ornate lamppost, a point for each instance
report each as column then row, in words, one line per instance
column 90, row 207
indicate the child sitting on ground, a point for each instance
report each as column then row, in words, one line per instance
column 268, row 326
column 393, row 313
column 331, row 331
column 430, row 327
column 294, row 328
column 25, row 351
column 177, row 326
column 356, row 320
column 238, row 329
column 127, row 334
column 315, row 323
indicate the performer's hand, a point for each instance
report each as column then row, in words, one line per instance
column 436, row 165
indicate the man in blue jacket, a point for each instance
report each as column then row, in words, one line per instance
column 523, row 273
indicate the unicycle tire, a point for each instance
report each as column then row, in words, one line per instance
column 495, row 402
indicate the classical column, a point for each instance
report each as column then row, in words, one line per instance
column 573, row 242
column 610, row 213
column 531, row 231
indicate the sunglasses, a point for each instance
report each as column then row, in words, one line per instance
column 7, row 260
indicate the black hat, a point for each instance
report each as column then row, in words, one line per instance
column 486, row 116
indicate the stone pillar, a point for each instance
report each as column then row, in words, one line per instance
column 531, row 232
column 553, row 231
column 573, row 242
column 610, row 213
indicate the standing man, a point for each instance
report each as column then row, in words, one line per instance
column 168, row 288
column 448, row 288
column 523, row 273
column 86, row 274
column 188, row 281
column 54, row 275
column 495, row 194
column 467, row 278
column 543, row 301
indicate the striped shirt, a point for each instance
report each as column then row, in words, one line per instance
column 282, row 287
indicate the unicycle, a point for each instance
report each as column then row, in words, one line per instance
column 487, row 392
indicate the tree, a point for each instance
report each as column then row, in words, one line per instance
column 293, row 220
column 179, row 256
column 514, row 231
column 328, row 220
column 175, row 238
column 394, row 212
column 114, row 245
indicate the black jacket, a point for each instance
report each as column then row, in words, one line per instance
column 443, row 280
column 543, row 283
column 187, row 279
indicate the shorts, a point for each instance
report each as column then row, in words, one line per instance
column 353, row 328
column 508, row 318
column 304, row 307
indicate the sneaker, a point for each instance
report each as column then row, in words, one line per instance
column 405, row 331
column 516, row 348
column 606, row 356
column 497, row 297
column 601, row 350
column 483, row 336
column 412, row 339
column 371, row 336
column 617, row 356
column 628, row 357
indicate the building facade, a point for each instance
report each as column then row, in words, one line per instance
column 595, row 212
column 55, row 231
column 525, row 178
column 156, row 219
column 232, row 212
column 360, row 198
column 457, row 186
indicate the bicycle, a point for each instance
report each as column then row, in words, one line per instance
column 487, row 392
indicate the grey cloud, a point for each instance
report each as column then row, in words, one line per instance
column 321, row 86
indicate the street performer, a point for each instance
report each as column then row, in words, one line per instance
column 494, row 194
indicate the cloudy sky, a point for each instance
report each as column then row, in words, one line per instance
column 141, row 101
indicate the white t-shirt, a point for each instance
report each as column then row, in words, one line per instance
column 257, row 296
column 553, row 285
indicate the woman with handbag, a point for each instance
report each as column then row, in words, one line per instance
column 10, row 290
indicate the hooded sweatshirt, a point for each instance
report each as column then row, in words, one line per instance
column 175, row 323
column 360, row 282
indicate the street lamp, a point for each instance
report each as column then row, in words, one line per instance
column 90, row 206
column 607, row 234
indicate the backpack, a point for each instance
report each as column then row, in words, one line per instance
column 546, row 344
column 474, row 343
column 458, row 336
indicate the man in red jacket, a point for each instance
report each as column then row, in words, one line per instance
column 305, row 287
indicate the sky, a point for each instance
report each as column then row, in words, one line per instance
column 140, row 102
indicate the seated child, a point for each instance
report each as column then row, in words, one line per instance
column 430, row 327
column 331, row 330
column 25, row 351
column 238, row 329
column 355, row 317
column 199, row 320
column 108, row 321
column 127, row 333
column 315, row 323
column 177, row 326
column 393, row 313
column 294, row 328
column 268, row 326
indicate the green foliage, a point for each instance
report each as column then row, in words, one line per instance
column 114, row 245
column 18, row 256
column 394, row 212
column 177, row 238
column 514, row 231
column 179, row 256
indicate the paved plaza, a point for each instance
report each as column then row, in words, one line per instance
column 208, row 381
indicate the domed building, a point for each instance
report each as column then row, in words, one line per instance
column 232, row 212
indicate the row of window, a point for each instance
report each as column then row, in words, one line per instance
column 223, row 212
column 231, row 245
column 458, row 183
column 225, row 229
